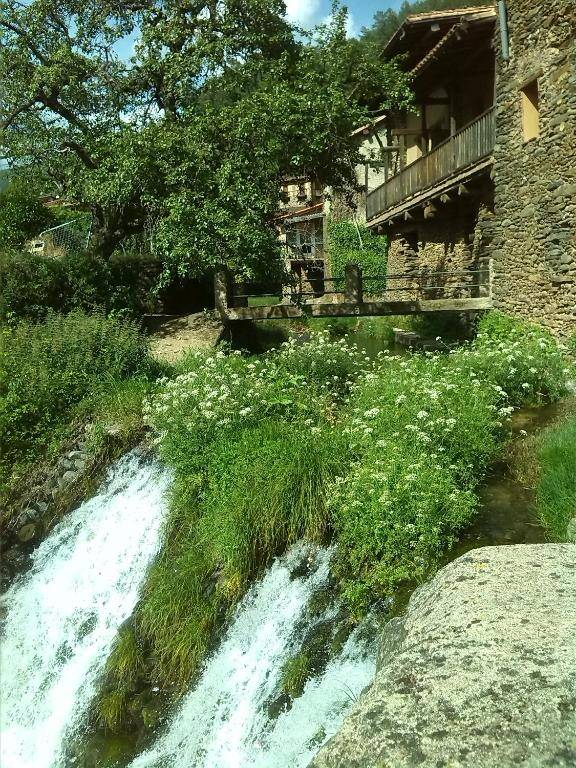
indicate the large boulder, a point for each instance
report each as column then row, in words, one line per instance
column 480, row 672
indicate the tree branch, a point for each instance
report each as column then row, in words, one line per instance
column 26, row 38
column 82, row 153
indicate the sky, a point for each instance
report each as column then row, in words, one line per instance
column 306, row 13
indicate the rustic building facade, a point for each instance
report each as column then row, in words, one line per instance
column 533, row 233
column 482, row 176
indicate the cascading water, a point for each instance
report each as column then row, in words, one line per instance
column 62, row 616
column 225, row 722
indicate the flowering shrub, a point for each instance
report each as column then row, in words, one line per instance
column 221, row 392
column 394, row 517
column 523, row 359
column 424, row 429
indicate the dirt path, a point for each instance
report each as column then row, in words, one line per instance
column 172, row 337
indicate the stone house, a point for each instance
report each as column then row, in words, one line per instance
column 481, row 176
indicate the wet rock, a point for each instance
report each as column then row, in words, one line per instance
column 480, row 672
column 27, row 532
column 70, row 476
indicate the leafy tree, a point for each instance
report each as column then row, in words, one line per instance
column 387, row 22
column 194, row 134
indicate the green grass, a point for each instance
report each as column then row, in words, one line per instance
column 295, row 673
column 60, row 373
column 259, row 491
column 556, row 491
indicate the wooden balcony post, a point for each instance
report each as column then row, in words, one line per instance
column 353, row 293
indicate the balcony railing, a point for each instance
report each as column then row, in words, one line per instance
column 465, row 148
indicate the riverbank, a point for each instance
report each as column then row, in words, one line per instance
column 383, row 455
column 316, row 440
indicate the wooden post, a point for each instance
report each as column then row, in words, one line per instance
column 353, row 293
column 223, row 292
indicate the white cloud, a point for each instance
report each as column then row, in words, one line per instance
column 302, row 12
column 351, row 27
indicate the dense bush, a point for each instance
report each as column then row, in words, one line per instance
column 46, row 369
column 22, row 215
column 32, row 285
column 424, row 430
column 352, row 243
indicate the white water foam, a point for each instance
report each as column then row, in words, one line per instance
column 224, row 723
column 62, row 616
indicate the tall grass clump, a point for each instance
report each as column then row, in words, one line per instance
column 556, row 490
column 48, row 368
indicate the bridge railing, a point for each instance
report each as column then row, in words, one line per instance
column 357, row 288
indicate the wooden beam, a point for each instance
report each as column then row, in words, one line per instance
column 445, row 198
column 463, row 190
column 429, row 211
column 408, row 216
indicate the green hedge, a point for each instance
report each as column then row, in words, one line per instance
column 356, row 244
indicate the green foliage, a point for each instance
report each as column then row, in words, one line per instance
column 352, row 243
column 31, row 285
column 22, row 215
column 523, row 359
column 217, row 99
column 556, row 491
column 424, row 430
column 225, row 526
column 126, row 660
column 47, row 369
column 295, row 674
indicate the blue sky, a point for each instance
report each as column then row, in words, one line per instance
column 308, row 12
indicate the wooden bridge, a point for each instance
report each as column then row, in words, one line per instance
column 358, row 295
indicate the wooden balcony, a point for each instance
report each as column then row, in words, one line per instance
column 457, row 157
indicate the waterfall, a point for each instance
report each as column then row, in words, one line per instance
column 62, row 616
column 224, row 721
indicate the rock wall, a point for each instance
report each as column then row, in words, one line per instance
column 479, row 673
column 534, row 231
column 451, row 241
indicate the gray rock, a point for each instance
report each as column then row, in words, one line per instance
column 481, row 675
column 70, row 476
column 27, row 532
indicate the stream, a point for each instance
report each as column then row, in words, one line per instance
column 62, row 616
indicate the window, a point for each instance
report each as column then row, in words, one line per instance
column 530, row 111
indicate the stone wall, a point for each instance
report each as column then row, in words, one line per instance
column 453, row 240
column 533, row 235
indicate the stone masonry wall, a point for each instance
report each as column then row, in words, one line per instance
column 453, row 240
column 533, row 235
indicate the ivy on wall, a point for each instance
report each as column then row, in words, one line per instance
column 352, row 243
